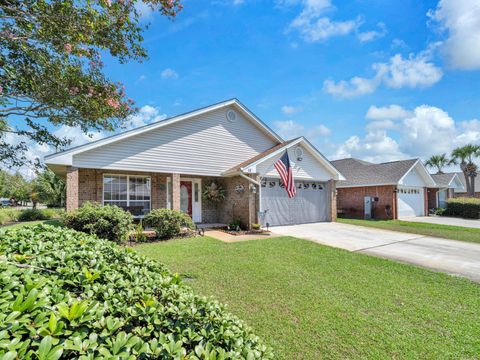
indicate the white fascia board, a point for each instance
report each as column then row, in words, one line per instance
column 429, row 182
column 53, row 158
column 456, row 183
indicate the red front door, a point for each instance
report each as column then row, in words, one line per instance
column 186, row 197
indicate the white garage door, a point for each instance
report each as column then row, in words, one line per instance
column 411, row 201
column 309, row 205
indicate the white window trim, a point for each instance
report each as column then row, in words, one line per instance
column 128, row 189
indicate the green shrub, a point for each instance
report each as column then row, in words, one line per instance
column 68, row 294
column 439, row 211
column 8, row 215
column 463, row 207
column 107, row 222
column 256, row 226
column 32, row 215
column 235, row 224
column 168, row 223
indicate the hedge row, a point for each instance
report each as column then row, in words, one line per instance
column 8, row 215
column 68, row 294
column 463, row 207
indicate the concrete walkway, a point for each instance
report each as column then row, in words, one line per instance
column 444, row 220
column 450, row 256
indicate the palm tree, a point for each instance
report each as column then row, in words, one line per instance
column 465, row 156
column 51, row 189
column 439, row 162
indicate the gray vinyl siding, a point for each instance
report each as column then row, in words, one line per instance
column 207, row 144
column 308, row 169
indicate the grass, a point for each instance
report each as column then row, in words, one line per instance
column 310, row 301
column 54, row 222
column 428, row 229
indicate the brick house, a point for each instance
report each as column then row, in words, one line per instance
column 383, row 191
column 447, row 185
column 463, row 191
column 170, row 163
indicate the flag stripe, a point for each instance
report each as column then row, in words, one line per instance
column 285, row 171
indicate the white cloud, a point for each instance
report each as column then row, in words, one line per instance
column 414, row 71
column 290, row 129
column 169, row 74
column 372, row 35
column 386, row 112
column 289, row 109
column 146, row 115
column 461, row 20
column 356, row 86
column 421, row 132
column 314, row 26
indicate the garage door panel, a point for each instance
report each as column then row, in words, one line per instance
column 309, row 205
column 411, row 201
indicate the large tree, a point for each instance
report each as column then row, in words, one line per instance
column 51, row 67
column 438, row 162
column 465, row 157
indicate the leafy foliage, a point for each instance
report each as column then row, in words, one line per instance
column 168, row 223
column 51, row 67
column 465, row 156
column 107, row 222
column 68, row 294
column 51, row 189
column 438, row 162
column 463, row 207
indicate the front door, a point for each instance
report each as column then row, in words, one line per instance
column 186, row 197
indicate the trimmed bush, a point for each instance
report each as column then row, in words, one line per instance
column 168, row 223
column 31, row 215
column 68, row 294
column 463, row 207
column 107, row 222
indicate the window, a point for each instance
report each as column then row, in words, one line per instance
column 132, row 193
column 196, row 191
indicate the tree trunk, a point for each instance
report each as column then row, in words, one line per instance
column 467, row 182
column 472, row 185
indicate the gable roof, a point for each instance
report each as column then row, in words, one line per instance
column 65, row 157
column 362, row 173
column 277, row 149
column 461, row 177
column 447, row 180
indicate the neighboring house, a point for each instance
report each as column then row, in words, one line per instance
column 382, row 191
column 168, row 164
column 447, row 184
column 463, row 192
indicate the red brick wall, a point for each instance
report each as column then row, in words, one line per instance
column 350, row 201
column 432, row 197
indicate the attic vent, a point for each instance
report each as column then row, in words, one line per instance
column 231, row 115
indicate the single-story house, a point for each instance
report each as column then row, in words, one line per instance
column 170, row 164
column 463, row 192
column 383, row 191
column 447, row 184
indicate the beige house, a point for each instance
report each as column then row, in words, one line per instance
column 170, row 163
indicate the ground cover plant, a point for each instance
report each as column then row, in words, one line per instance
column 69, row 294
column 436, row 230
column 310, row 301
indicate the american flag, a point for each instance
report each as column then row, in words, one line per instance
column 285, row 171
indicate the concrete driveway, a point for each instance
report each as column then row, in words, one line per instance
column 450, row 256
column 444, row 220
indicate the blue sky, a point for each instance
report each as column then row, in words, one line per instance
column 378, row 80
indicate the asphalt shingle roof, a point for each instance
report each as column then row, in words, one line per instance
column 362, row 173
column 443, row 180
column 462, row 179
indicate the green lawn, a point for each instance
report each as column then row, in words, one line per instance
column 436, row 230
column 310, row 301
column 54, row 222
